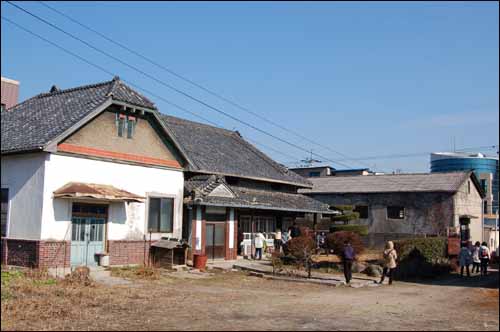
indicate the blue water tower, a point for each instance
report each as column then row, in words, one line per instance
column 484, row 167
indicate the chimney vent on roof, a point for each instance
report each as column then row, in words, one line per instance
column 54, row 89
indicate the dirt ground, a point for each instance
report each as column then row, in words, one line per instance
column 235, row 301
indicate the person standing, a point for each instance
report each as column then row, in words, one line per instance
column 390, row 257
column 348, row 258
column 476, row 261
column 285, row 237
column 277, row 240
column 320, row 241
column 465, row 258
column 259, row 244
column 484, row 255
column 295, row 231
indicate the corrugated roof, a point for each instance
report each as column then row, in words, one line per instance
column 202, row 186
column 219, row 151
column 95, row 191
column 426, row 182
column 35, row 122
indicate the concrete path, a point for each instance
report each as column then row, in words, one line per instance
column 98, row 274
column 264, row 269
column 104, row 277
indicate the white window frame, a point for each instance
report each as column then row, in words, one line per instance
column 174, row 212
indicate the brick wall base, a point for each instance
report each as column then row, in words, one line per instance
column 36, row 253
column 54, row 254
column 48, row 254
column 128, row 252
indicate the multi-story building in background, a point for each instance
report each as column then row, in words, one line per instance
column 486, row 170
column 10, row 93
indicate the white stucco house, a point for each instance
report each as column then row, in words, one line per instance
column 97, row 171
column 86, row 172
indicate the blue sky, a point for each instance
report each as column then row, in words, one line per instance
column 366, row 79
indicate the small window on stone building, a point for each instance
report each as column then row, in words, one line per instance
column 362, row 210
column 395, row 212
column 5, row 211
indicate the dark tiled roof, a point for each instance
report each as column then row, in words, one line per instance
column 428, row 182
column 38, row 120
column 220, row 151
column 202, row 186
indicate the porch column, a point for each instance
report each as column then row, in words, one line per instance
column 231, row 237
column 197, row 230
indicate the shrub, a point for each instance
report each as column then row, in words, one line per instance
column 336, row 241
column 431, row 248
column 277, row 261
column 361, row 230
column 422, row 257
column 301, row 249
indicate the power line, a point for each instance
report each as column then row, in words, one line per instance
column 132, row 84
column 417, row 154
column 172, row 87
column 198, row 85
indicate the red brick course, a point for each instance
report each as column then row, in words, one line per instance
column 20, row 252
column 35, row 253
column 54, row 254
column 116, row 155
column 48, row 254
column 128, row 252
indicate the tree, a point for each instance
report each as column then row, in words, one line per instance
column 302, row 248
column 336, row 242
column 347, row 214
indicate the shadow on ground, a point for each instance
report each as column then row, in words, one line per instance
column 454, row 279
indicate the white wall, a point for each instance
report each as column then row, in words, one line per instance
column 127, row 221
column 469, row 204
column 23, row 175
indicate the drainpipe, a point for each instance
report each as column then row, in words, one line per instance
column 496, row 232
column 482, row 220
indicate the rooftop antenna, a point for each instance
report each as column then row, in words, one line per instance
column 308, row 162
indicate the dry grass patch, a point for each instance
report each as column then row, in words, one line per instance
column 136, row 272
column 33, row 301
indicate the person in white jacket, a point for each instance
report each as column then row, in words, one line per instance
column 259, row 244
column 484, row 255
column 476, row 261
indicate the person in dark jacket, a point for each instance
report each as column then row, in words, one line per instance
column 295, row 231
column 348, row 257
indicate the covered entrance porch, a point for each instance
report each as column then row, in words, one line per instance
column 90, row 205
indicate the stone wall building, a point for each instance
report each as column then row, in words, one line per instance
column 407, row 205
